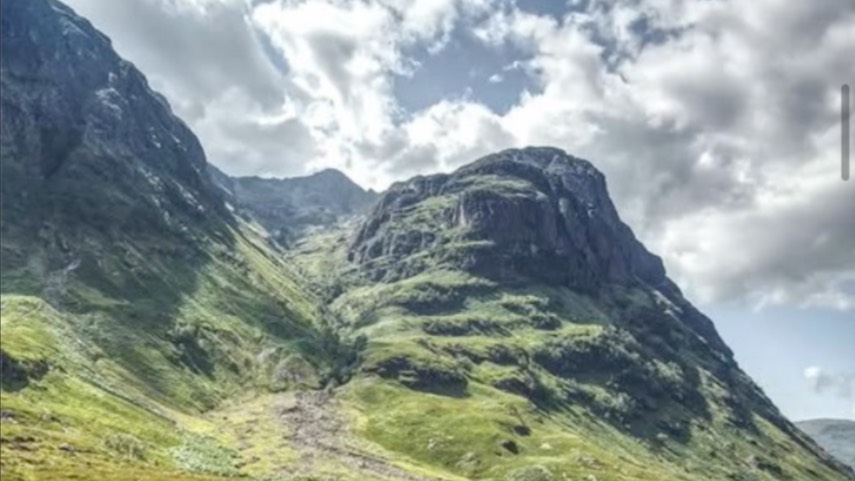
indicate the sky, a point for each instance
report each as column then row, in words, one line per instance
column 716, row 123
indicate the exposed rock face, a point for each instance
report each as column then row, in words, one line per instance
column 112, row 226
column 542, row 213
column 521, row 215
column 290, row 207
column 92, row 146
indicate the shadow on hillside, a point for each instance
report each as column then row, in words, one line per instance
column 635, row 375
column 17, row 374
column 152, row 284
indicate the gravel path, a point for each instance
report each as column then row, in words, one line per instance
column 320, row 435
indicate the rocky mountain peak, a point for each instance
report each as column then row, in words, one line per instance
column 576, row 175
column 90, row 153
column 535, row 212
column 103, row 98
column 290, row 207
column 330, row 174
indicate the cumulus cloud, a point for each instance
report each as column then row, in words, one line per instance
column 715, row 122
column 720, row 150
column 210, row 61
column 841, row 385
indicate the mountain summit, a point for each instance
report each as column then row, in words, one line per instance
column 539, row 213
column 521, row 216
column 496, row 323
column 291, row 207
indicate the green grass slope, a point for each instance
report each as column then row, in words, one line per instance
column 510, row 378
column 475, row 398
column 100, row 380
column 132, row 299
column 148, row 333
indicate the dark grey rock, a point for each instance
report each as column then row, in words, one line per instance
column 559, row 227
column 90, row 154
column 522, row 215
column 291, row 207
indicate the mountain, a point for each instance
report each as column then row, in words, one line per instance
column 291, row 207
column 496, row 323
column 130, row 293
column 837, row 436
column 509, row 303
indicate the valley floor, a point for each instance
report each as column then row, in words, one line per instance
column 285, row 436
column 303, row 435
column 320, row 435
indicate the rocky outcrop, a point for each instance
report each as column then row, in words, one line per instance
column 16, row 374
column 520, row 216
column 539, row 223
column 537, row 212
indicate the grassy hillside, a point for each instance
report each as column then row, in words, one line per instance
column 132, row 299
column 493, row 375
column 498, row 323
column 467, row 391
column 105, row 376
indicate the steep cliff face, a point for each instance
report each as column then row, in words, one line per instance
column 89, row 152
column 540, row 213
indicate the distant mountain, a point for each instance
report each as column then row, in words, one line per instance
column 289, row 208
column 837, row 436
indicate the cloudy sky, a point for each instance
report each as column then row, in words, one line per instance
column 715, row 121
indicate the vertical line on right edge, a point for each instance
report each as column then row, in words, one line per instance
column 844, row 132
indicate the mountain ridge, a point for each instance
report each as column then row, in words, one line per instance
column 132, row 297
column 151, row 331
column 290, row 207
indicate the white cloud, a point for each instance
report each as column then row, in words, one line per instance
column 720, row 150
column 715, row 123
column 345, row 55
column 836, row 384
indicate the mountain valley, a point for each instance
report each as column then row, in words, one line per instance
column 163, row 320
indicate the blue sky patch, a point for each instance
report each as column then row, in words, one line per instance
column 468, row 69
